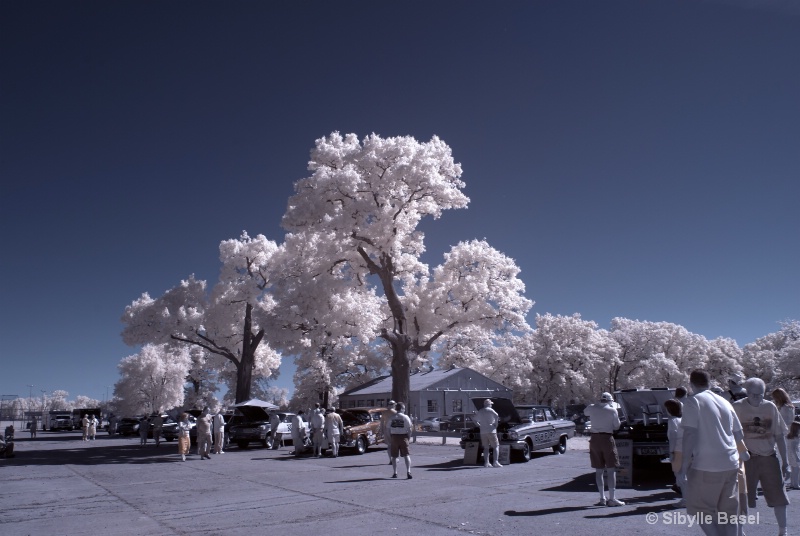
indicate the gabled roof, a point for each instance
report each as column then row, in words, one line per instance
column 420, row 381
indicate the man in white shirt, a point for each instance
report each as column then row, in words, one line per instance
column 400, row 428
column 710, row 463
column 487, row 420
column 317, row 431
column 763, row 430
column 218, row 422
column 602, row 448
column 298, row 433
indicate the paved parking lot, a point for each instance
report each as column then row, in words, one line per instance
column 59, row 485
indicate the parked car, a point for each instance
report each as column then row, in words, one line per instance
column 253, row 426
column 458, row 422
column 128, row 426
column 644, row 421
column 431, row 424
column 537, row 428
column 61, row 422
column 362, row 428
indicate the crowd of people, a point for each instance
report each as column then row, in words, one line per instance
column 723, row 445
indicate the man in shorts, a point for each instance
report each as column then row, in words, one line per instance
column 602, row 448
column 487, row 420
column 386, row 419
column 763, row 430
column 710, row 464
column 400, row 428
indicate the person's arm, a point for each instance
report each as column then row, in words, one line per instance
column 689, row 444
column 780, row 440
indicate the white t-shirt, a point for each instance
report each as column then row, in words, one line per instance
column 400, row 424
column 487, row 420
column 604, row 417
column 675, row 434
column 787, row 412
column 761, row 424
column 715, row 421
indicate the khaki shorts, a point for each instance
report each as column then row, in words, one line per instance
column 399, row 445
column 603, row 451
column 711, row 492
column 489, row 441
column 767, row 470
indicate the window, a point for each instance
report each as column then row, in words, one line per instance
column 381, row 402
column 433, row 407
column 457, row 406
column 360, row 403
column 370, row 403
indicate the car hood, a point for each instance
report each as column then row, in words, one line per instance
column 503, row 406
column 253, row 413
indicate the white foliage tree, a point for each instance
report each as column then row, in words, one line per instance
column 152, row 380
column 225, row 321
column 724, row 359
column 362, row 206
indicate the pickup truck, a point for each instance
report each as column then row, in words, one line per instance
column 61, row 421
column 644, row 421
column 525, row 428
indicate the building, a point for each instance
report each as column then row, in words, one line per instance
column 432, row 393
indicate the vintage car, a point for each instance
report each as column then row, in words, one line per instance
column 362, row 428
column 537, row 428
column 253, row 426
column 457, row 422
column 644, row 421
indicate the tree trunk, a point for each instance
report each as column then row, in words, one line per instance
column 244, row 369
column 401, row 375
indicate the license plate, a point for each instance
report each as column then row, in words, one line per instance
column 652, row 451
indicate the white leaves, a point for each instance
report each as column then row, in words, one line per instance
column 152, row 380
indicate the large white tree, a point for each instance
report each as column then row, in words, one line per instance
column 226, row 321
column 362, row 206
column 152, row 380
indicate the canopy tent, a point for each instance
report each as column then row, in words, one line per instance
column 257, row 403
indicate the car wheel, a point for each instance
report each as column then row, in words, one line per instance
column 168, row 439
column 524, row 455
column 267, row 442
column 361, row 445
column 561, row 448
column 242, row 444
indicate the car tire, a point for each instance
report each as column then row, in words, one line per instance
column 168, row 439
column 361, row 445
column 524, row 455
column 561, row 448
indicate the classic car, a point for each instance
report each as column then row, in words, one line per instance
column 362, row 428
column 253, row 426
column 538, row 428
column 431, row 424
column 284, row 431
column 457, row 422
column 644, row 421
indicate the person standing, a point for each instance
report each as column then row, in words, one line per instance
column 93, row 422
column 793, row 453
column 183, row 435
column 735, row 390
column 400, row 430
column 764, row 432
column 204, row 434
column 85, row 427
column 34, row 426
column 112, row 424
column 784, row 405
column 334, row 428
column 488, row 420
column 157, row 422
column 274, row 424
column 144, row 429
column 675, row 438
column 603, row 454
column 710, row 464
column 218, row 423
column 298, row 433
column 317, row 431
column 386, row 421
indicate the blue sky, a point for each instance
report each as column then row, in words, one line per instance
column 637, row 159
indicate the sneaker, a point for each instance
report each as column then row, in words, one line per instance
column 614, row 502
column 496, row 465
column 409, row 476
column 601, row 502
column 394, row 475
column 486, row 465
column 183, row 457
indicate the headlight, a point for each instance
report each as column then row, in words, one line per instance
column 262, row 427
column 513, row 435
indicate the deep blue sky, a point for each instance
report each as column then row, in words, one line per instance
column 637, row 159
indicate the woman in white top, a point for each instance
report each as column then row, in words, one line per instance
column 785, row 407
column 183, row 435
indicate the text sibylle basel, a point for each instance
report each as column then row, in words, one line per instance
column 720, row 518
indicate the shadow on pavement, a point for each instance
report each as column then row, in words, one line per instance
column 358, row 480
column 452, row 465
column 111, row 454
column 622, row 511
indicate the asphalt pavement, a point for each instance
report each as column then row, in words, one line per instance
column 60, row 485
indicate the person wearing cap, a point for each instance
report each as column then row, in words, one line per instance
column 317, row 425
column 710, row 457
column 602, row 448
column 400, row 431
column 334, row 428
column 93, row 422
column 298, row 433
column 218, row 424
column 764, row 433
column 386, row 419
column 203, row 427
column 85, row 427
column 488, row 420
